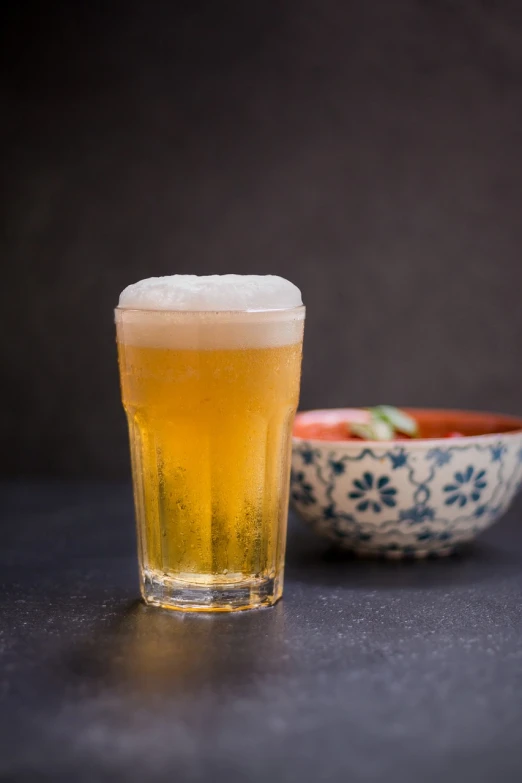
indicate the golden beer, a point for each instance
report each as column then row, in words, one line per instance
column 210, row 399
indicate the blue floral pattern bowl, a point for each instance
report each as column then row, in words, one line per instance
column 408, row 498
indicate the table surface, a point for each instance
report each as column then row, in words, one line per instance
column 365, row 671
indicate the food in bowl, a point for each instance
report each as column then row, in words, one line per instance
column 414, row 495
column 383, row 422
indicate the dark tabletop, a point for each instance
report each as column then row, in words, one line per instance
column 366, row 671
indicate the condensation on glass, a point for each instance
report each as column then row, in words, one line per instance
column 210, row 399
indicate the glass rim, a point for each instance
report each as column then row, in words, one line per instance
column 148, row 310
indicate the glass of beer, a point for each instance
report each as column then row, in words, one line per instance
column 210, row 370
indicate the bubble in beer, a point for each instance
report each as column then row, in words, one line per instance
column 211, row 293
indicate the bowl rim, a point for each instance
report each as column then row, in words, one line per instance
column 417, row 443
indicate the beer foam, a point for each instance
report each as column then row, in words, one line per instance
column 211, row 293
column 187, row 312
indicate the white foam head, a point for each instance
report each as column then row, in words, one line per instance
column 211, row 292
column 215, row 311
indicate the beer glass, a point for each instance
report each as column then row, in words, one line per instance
column 210, row 399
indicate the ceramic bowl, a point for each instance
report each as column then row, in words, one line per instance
column 409, row 498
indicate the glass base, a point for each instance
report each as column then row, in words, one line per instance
column 184, row 596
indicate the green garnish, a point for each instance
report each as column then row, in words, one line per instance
column 399, row 420
column 385, row 422
column 376, row 429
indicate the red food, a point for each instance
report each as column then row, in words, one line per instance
column 340, row 430
column 396, row 436
column 335, row 424
column 331, row 431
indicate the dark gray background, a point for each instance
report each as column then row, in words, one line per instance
column 369, row 151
